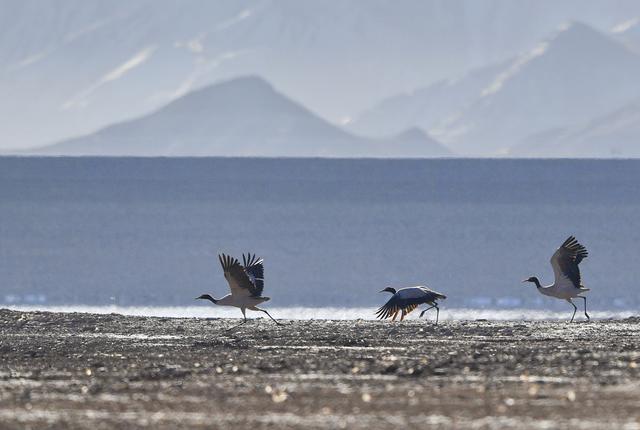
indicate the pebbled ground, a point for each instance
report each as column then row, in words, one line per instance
column 76, row 371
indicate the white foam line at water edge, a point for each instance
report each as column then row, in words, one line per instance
column 327, row 313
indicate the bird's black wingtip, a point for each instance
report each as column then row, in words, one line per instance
column 251, row 259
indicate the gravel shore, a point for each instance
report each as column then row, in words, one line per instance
column 72, row 371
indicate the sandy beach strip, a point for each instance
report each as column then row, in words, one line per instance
column 75, row 370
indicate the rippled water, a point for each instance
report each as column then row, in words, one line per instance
column 142, row 232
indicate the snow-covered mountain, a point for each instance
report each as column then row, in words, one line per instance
column 628, row 32
column 616, row 134
column 565, row 81
column 67, row 68
column 241, row 117
column 576, row 75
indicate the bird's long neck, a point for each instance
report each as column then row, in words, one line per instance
column 535, row 281
column 211, row 299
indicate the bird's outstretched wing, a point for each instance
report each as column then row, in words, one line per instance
column 391, row 308
column 432, row 295
column 255, row 270
column 406, row 300
column 565, row 262
column 400, row 302
column 239, row 281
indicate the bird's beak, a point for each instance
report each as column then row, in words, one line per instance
column 382, row 291
column 525, row 280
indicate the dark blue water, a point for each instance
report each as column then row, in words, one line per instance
column 137, row 231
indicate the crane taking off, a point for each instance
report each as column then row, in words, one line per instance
column 246, row 283
column 407, row 299
column 568, row 283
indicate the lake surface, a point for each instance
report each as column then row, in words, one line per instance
column 146, row 231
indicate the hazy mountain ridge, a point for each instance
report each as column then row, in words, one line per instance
column 564, row 82
column 426, row 108
column 241, row 117
column 89, row 63
column 616, row 134
column 572, row 77
column 628, row 32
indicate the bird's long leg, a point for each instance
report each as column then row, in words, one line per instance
column 395, row 314
column 437, row 313
column 585, row 308
column 237, row 325
column 422, row 313
column 264, row 310
column 575, row 309
column 244, row 315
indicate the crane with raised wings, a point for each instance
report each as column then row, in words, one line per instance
column 568, row 282
column 246, row 283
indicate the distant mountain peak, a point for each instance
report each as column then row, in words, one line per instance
column 243, row 116
column 576, row 74
column 246, row 82
column 245, row 95
column 415, row 140
column 576, row 34
column 572, row 38
column 249, row 85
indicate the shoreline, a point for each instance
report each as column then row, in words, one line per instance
column 304, row 313
column 71, row 370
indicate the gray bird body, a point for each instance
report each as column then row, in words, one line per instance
column 407, row 299
column 567, row 279
column 246, row 283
